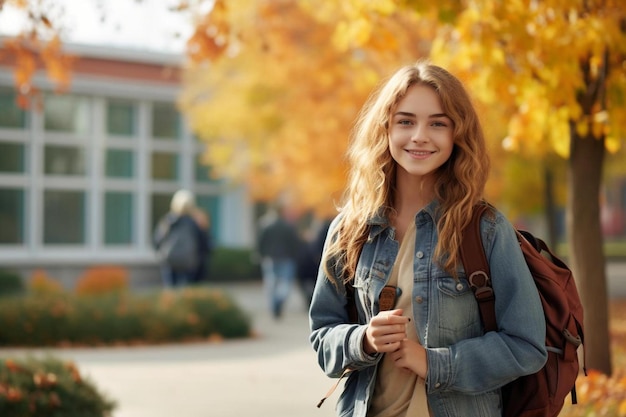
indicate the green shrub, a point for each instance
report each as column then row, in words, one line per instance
column 10, row 283
column 169, row 316
column 48, row 387
column 230, row 264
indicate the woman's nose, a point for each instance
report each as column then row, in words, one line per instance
column 419, row 134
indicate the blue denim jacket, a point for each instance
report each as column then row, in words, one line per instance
column 466, row 367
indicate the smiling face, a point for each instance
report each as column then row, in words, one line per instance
column 420, row 134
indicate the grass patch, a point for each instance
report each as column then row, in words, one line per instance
column 613, row 249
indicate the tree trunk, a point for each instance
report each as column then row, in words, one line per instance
column 586, row 255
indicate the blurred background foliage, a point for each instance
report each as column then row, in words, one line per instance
column 274, row 86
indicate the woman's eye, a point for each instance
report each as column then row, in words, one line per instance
column 439, row 124
column 404, row 122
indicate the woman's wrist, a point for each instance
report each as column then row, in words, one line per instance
column 368, row 348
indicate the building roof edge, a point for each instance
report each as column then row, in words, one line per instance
column 128, row 54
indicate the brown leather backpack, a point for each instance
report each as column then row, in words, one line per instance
column 541, row 394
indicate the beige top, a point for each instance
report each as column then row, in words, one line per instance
column 400, row 392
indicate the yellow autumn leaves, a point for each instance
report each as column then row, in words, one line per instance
column 546, row 60
column 274, row 86
column 277, row 108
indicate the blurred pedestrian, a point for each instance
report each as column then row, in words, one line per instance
column 179, row 241
column 308, row 265
column 309, row 258
column 203, row 220
column 278, row 245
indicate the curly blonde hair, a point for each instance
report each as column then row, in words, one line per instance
column 370, row 190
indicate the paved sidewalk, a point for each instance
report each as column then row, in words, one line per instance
column 274, row 374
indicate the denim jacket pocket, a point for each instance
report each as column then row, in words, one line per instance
column 457, row 309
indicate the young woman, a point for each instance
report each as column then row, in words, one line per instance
column 418, row 167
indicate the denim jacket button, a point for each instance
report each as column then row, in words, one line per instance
column 459, row 287
column 437, row 385
column 419, row 254
column 419, row 299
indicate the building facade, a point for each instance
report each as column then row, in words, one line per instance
column 86, row 174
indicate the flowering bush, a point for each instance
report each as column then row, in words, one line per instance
column 103, row 279
column 67, row 319
column 40, row 283
column 48, row 387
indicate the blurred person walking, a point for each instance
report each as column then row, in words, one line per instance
column 308, row 265
column 179, row 241
column 278, row 245
column 203, row 220
column 310, row 256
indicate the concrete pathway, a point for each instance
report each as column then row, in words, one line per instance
column 274, row 374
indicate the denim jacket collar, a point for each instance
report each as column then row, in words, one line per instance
column 379, row 222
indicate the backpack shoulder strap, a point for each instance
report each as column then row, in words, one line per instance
column 477, row 268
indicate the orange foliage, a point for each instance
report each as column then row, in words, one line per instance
column 13, row 366
column 37, row 46
column 210, row 37
column 25, row 65
column 31, row 54
column 600, row 395
column 102, row 280
column 276, row 102
column 58, row 63
column 41, row 283
column 537, row 64
column 317, row 61
column 73, row 369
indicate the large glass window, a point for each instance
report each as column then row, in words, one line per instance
column 166, row 122
column 12, row 209
column 164, row 166
column 121, row 118
column 66, row 113
column 12, row 157
column 119, row 163
column 64, row 160
column 11, row 115
column 118, row 218
column 64, row 217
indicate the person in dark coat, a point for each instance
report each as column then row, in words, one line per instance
column 309, row 257
column 179, row 241
column 278, row 245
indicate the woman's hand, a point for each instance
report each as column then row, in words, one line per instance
column 412, row 356
column 385, row 332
